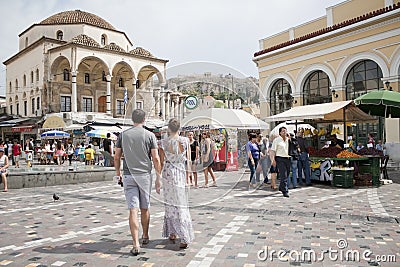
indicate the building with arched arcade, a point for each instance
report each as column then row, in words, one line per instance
column 76, row 63
column 351, row 50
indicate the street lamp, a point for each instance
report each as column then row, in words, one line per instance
column 230, row 94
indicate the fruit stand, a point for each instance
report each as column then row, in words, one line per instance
column 344, row 168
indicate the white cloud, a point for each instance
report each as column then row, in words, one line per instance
column 223, row 31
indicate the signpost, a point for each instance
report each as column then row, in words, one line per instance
column 191, row 102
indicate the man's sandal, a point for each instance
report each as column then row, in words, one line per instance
column 135, row 251
column 145, row 240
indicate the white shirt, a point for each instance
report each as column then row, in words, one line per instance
column 281, row 147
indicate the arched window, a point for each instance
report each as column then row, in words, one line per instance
column 103, row 39
column 280, row 97
column 60, row 35
column 26, row 42
column 16, row 84
column 121, row 82
column 24, row 80
column 25, row 108
column 363, row 77
column 66, row 74
column 38, row 103
column 10, row 87
column 33, row 106
column 87, row 78
column 31, row 76
column 317, row 89
column 37, row 75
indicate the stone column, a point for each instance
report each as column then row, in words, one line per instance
column 156, row 101
column 108, row 98
column 74, row 97
column 134, row 93
column 162, row 102
column 167, row 106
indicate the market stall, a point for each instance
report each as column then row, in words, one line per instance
column 344, row 168
column 330, row 163
column 223, row 125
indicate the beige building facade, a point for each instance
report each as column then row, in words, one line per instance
column 351, row 50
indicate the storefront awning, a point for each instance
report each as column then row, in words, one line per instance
column 11, row 123
column 108, row 128
column 327, row 112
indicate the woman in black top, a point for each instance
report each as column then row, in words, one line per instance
column 194, row 157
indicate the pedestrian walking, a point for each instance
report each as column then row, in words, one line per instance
column 194, row 158
column 303, row 164
column 3, row 168
column 107, row 150
column 17, row 150
column 294, row 153
column 207, row 158
column 280, row 158
column 253, row 154
column 70, row 152
column 264, row 163
column 140, row 149
column 174, row 156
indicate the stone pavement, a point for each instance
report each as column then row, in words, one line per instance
column 233, row 226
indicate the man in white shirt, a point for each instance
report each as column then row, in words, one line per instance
column 280, row 158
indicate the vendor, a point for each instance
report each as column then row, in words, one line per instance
column 336, row 142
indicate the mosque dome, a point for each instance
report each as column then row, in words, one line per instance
column 114, row 47
column 83, row 39
column 77, row 17
column 140, row 51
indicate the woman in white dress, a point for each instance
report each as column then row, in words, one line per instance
column 174, row 155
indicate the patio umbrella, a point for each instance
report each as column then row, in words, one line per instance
column 54, row 135
column 100, row 133
column 382, row 103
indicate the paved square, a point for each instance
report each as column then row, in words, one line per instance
column 233, row 226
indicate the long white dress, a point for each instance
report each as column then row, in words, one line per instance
column 177, row 219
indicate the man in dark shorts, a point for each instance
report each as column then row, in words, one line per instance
column 140, row 149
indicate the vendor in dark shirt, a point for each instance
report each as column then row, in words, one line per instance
column 336, row 142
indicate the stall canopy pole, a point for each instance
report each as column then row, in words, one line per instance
column 344, row 124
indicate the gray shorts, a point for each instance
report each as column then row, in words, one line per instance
column 137, row 190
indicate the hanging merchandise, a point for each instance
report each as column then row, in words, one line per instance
column 321, row 132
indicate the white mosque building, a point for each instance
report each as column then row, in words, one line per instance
column 79, row 67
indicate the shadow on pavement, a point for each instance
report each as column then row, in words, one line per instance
column 109, row 247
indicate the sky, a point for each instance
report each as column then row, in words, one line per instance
column 225, row 32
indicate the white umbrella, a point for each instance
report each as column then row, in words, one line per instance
column 216, row 118
column 290, row 127
column 54, row 135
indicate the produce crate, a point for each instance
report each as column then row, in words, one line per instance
column 371, row 167
column 363, row 183
column 343, row 177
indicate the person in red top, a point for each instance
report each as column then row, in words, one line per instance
column 16, row 153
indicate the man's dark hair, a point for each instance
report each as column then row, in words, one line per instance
column 281, row 128
column 138, row 116
column 108, row 135
column 252, row 135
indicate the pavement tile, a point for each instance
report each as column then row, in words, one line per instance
column 93, row 229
